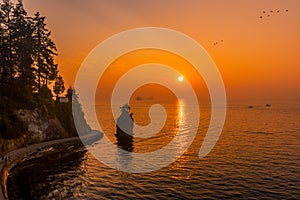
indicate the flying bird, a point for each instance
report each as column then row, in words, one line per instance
column 268, row 14
column 218, row 42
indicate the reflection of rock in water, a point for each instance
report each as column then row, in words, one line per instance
column 124, row 132
column 124, row 140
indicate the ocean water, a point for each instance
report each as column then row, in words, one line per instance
column 256, row 157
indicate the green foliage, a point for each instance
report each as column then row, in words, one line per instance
column 67, row 113
column 45, row 96
column 11, row 126
column 63, row 112
column 78, row 115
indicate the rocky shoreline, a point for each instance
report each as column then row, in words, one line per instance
column 18, row 155
column 40, row 127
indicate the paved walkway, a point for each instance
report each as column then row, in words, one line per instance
column 21, row 153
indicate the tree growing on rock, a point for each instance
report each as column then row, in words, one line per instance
column 59, row 86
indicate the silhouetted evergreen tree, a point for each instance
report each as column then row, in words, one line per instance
column 59, row 86
column 69, row 94
column 2, row 31
column 44, row 52
column 8, row 67
column 78, row 115
column 25, row 79
column 26, row 49
column 26, row 66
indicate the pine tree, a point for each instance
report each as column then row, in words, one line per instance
column 44, row 52
column 24, row 48
column 8, row 66
column 69, row 94
column 59, row 86
column 2, row 31
column 82, row 126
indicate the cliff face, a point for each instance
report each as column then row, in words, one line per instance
column 39, row 127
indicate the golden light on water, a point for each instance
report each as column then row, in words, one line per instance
column 181, row 120
column 181, row 110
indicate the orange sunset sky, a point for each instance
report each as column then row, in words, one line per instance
column 257, row 57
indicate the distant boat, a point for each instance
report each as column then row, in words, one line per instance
column 138, row 98
column 250, row 107
column 268, row 105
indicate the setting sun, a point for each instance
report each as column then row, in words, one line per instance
column 180, row 78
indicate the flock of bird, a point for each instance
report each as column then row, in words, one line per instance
column 268, row 13
column 218, row 42
column 264, row 14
